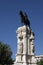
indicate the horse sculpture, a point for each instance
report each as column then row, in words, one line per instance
column 24, row 18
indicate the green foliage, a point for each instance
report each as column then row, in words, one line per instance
column 5, row 54
column 40, row 62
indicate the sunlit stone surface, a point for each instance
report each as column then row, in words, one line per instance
column 25, row 47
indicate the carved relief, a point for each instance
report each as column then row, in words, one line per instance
column 20, row 47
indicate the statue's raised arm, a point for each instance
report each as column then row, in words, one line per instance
column 24, row 18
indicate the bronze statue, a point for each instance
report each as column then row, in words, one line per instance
column 24, row 18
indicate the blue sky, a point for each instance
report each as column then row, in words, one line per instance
column 10, row 21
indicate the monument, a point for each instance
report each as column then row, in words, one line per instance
column 25, row 43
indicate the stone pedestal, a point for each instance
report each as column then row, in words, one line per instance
column 25, row 47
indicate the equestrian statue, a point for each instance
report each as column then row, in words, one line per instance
column 24, row 18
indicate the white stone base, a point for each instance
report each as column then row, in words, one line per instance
column 24, row 63
column 18, row 64
column 21, row 64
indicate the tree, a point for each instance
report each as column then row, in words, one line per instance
column 5, row 54
column 40, row 62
